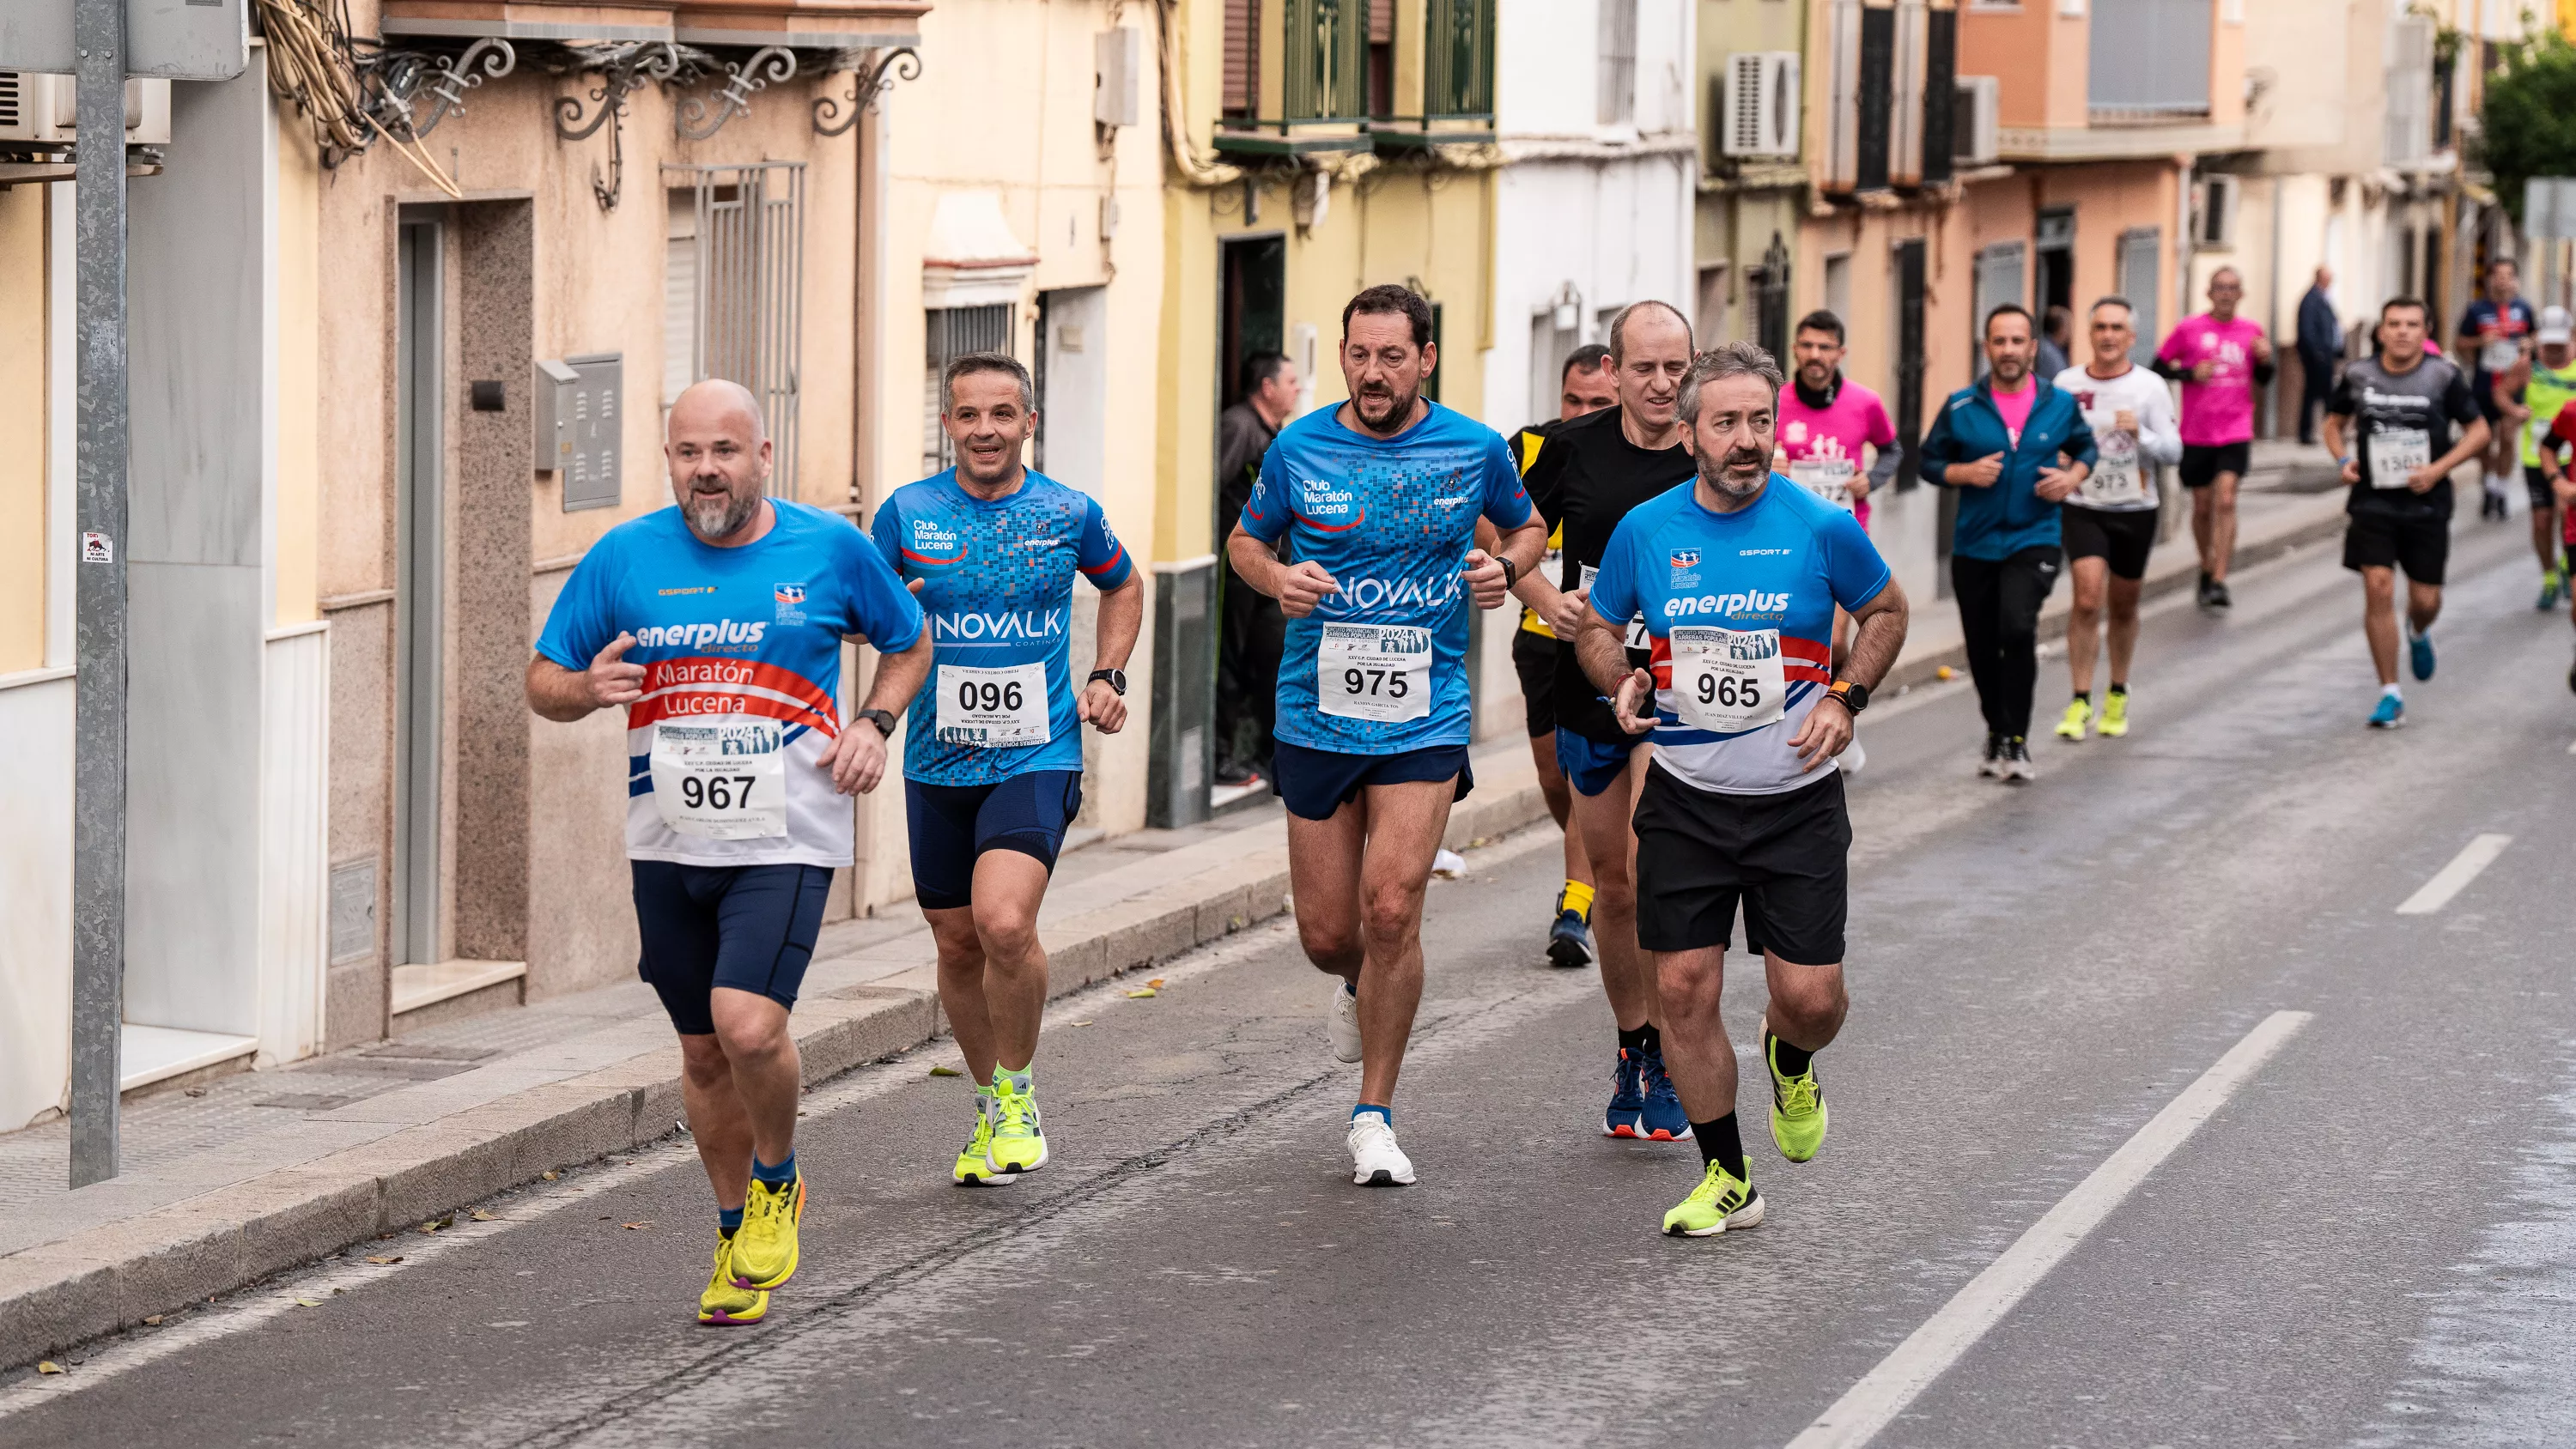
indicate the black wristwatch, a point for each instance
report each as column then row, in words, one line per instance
column 1852, row 695
column 1511, row 572
column 1116, row 679
column 882, row 719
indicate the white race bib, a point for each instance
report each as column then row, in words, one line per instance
column 2500, row 354
column 2115, row 479
column 1827, row 478
column 1727, row 680
column 722, row 780
column 1636, row 637
column 1373, row 671
column 995, row 708
column 2396, row 452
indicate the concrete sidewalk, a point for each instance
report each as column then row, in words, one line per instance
column 2289, row 498
column 265, row 1170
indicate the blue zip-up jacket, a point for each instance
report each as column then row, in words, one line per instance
column 2002, row 520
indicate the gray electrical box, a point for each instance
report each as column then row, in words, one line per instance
column 202, row 40
column 579, row 421
column 1118, row 63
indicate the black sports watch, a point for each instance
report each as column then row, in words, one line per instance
column 1511, row 572
column 1116, row 679
column 1854, row 696
column 882, row 719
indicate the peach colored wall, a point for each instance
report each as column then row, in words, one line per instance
column 2111, row 198
column 2016, row 45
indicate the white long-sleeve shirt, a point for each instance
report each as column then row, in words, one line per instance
column 2124, row 478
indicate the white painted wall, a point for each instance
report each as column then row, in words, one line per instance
column 295, row 750
column 35, row 894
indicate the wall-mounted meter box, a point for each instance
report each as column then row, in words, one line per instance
column 580, row 417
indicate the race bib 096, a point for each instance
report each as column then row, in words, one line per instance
column 996, row 708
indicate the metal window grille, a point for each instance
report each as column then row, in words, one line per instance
column 2141, row 276
column 1327, row 70
column 2149, row 59
column 1618, row 83
column 1459, row 60
column 953, row 332
column 747, row 253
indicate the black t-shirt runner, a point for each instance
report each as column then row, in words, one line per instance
column 2402, row 420
column 1586, row 478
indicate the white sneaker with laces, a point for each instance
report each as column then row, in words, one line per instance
column 1375, row 1159
column 1343, row 1022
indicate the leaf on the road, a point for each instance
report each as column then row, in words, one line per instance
column 383, row 1258
column 1078, row 1023
column 1141, row 992
column 154, row 1321
column 551, row 1176
column 308, row 1302
column 48, row 1366
column 635, row 1227
column 1156, row 983
column 946, row 1072
column 434, row 1224
column 481, row 1216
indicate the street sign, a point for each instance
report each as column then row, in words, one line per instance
column 203, row 40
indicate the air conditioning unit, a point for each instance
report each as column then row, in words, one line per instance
column 1973, row 136
column 1759, row 110
column 2213, row 211
column 42, row 110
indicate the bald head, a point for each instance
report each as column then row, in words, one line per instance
column 718, row 453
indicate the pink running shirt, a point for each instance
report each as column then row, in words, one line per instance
column 2220, row 410
column 1833, row 435
column 2015, row 406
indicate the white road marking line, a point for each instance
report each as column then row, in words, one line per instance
column 2451, row 879
column 1885, row 1391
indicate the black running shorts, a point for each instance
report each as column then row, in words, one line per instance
column 1786, row 857
column 1534, row 660
column 2121, row 539
column 2420, row 546
column 2536, row 483
column 2203, row 462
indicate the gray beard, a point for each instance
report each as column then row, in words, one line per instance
column 1716, row 476
column 707, row 523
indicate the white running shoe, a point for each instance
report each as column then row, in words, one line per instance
column 1375, row 1159
column 1343, row 1022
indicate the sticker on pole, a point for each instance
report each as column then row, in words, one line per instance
column 97, row 548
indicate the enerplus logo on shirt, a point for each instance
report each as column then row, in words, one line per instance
column 1741, row 605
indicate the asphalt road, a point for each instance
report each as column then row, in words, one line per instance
column 2370, row 1240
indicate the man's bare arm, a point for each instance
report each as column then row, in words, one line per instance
column 564, row 695
column 1878, row 635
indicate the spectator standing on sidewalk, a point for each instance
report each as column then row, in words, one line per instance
column 1251, row 631
column 2320, row 346
column 2056, row 338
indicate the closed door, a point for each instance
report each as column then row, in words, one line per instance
column 419, row 459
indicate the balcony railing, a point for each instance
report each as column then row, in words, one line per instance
column 2149, row 60
column 1324, row 75
column 1458, row 61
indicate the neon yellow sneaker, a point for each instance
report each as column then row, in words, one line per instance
column 1019, row 1135
column 2079, row 713
column 1797, row 1104
column 1721, row 1201
column 764, row 1248
column 727, row 1304
column 2115, row 714
column 974, row 1164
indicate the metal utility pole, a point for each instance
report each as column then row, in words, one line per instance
column 98, row 760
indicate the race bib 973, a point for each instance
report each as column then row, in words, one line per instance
column 1827, row 478
column 2116, row 478
column 1637, row 636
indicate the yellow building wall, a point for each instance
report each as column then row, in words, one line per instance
column 22, row 420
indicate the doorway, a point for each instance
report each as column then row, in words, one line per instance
column 419, row 453
column 2056, row 279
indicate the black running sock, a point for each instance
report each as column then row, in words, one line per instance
column 2083, row 696
column 1720, row 1143
column 1643, row 1040
column 2118, row 688
column 1791, row 1061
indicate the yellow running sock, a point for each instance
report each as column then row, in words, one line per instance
column 1577, row 897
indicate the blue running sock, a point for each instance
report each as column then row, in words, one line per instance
column 728, row 1221
column 779, row 1176
column 1384, row 1114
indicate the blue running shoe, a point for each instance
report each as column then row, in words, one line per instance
column 2419, row 656
column 1663, row 1120
column 2390, row 714
column 1626, row 1117
column 1569, row 942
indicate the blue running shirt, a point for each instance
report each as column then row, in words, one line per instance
column 741, row 649
column 999, row 590
column 1741, row 607
column 1391, row 520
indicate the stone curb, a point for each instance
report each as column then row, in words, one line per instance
column 55, row 1295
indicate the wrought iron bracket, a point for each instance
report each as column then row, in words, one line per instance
column 622, row 70
column 770, row 65
column 871, row 81
column 407, row 93
column 487, row 59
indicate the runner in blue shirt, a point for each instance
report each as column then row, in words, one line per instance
column 1737, row 575
column 1378, row 501
column 993, row 766
column 717, row 626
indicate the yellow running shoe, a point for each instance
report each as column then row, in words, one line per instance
column 764, row 1249
column 2115, row 714
column 1797, row 1104
column 1721, row 1201
column 2079, row 713
column 1019, row 1134
column 974, row 1164
column 727, row 1304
